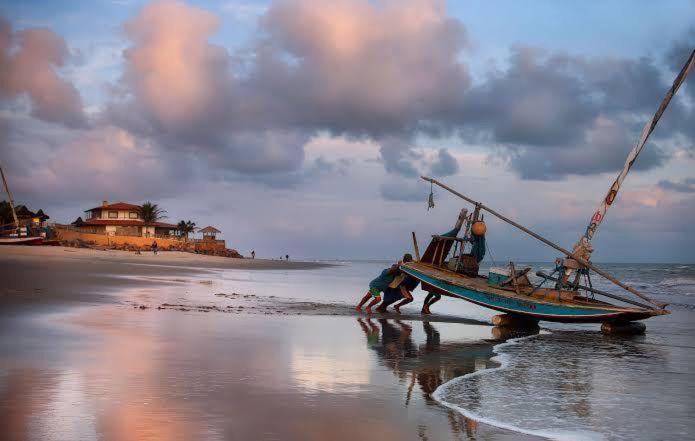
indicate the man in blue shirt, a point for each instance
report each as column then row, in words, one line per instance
column 380, row 284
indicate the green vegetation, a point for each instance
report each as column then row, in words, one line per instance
column 185, row 228
column 152, row 212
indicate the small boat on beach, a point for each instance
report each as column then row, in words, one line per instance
column 15, row 234
column 450, row 264
column 21, row 241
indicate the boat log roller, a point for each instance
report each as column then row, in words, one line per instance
column 447, row 268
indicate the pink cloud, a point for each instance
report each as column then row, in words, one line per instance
column 175, row 74
column 29, row 59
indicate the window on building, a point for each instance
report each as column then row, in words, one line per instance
column 113, row 214
column 132, row 215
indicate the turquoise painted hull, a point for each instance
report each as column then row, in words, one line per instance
column 556, row 312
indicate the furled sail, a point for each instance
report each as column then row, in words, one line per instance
column 583, row 247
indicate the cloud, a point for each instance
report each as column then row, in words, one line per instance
column 444, row 164
column 687, row 185
column 174, row 74
column 552, row 115
column 401, row 158
column 100, row 163
column 384, row 72
column 29, row 60
column 404, row 190
column 359, row 67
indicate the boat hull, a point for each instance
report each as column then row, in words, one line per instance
column 21, row 240
column 546, row 311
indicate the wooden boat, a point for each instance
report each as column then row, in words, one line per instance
column 14, row 236
column 548, row 304
column 448, row 268
column 21, row 240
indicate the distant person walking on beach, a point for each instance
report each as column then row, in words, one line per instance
column 253, row 254
column 154, row 247
column 380, row 284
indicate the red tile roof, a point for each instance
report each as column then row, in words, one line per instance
column 127, row 223
column 116, row 206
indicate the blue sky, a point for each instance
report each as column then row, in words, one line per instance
column 309, row 122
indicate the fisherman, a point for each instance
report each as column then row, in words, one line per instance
column 380, row 284
column 431, row 299
column 402, row 293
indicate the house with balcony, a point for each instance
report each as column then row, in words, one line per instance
column 121, row 219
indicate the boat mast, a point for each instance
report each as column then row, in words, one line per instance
column 9, row 196
column 583, row 247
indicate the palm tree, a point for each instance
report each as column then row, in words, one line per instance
column 150, row 212
column 185, row 228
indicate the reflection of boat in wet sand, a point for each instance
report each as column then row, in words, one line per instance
column 446, row 268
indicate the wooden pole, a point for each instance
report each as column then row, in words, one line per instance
column 583, row 262
column 417, row 249
column 596, row 291
column 9, row 196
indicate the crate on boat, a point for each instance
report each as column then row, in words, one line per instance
column 497, row 275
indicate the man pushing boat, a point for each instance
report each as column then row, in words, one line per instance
column 381, row 284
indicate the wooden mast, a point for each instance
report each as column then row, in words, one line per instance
column 583, row 246
column 9, row 196
column 564, row 251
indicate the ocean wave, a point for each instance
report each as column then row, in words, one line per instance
column 504, row 360
column 678, row 282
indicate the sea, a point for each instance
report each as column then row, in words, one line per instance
column 137, row 369
column 570, row 381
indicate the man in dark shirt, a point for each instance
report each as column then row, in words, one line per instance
column 393, row 295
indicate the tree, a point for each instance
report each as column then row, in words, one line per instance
column 150, row 212
column 185, row 228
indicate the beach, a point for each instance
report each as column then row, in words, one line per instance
column 89, row 352
column 110, row 345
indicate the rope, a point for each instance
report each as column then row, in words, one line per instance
column 492, row 258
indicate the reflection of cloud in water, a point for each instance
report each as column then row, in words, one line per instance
column 128, row 384
column 67, row 410
column 328, row 373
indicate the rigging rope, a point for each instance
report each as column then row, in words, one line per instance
column 492, row 258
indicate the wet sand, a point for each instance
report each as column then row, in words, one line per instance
column 98, row 345
column 58, row 275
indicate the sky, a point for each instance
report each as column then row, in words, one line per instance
column 302, row 127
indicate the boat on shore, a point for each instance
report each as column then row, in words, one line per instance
column 514, row 295
column 450, row 264
column 21, row 241
column 15, row 234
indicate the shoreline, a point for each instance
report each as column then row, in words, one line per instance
column 47, row 280
column 498, row 357
column 163, row 258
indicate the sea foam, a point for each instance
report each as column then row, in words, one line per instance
column 503, row 359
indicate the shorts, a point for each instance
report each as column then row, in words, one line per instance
column 375, row 292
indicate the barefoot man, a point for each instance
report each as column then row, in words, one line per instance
column 380, row 284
